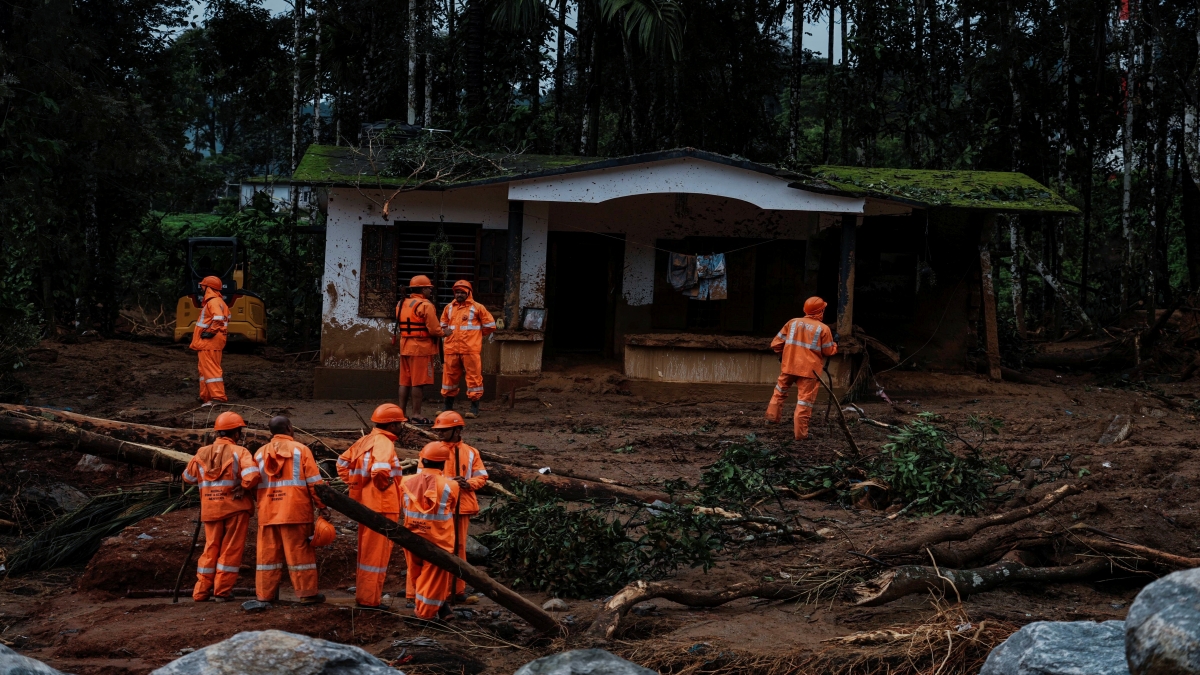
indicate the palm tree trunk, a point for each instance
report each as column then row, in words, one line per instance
column 634, row 101
column 410, row 35
column 828, row 91
column 1015, row 270
column 427, row 40
column 317, row 74
column 294, row 190
column 1127, row 172
column 475, row 57
column 559, row 73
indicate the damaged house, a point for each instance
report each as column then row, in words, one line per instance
column 680, row 264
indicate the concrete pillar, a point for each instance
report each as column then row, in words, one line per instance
column 637, row 281
column 512, row 275
column 535, row 224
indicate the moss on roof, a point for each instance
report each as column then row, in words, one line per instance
column 989, row 190
column 331, row 164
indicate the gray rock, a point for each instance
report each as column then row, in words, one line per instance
column 644, row 608
column 583, row 662
column 1162, row 628
column 273, row 651
column 476, row 552
column 1061, row 648
column 555, row 605
column 257, row 605
column 12, row 663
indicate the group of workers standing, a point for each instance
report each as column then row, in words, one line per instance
column 279, row 481
column 437, row 502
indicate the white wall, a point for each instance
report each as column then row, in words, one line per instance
column 351, row 341
column 534, row 227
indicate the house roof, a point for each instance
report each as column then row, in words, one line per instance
column 1006, row 191
column 343, row 166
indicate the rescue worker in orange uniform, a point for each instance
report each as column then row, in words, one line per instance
column 802, row 345
column 227, row 475
column 372, row 470
column 418, row 326
column 286, row 500
column 429, row 500
column 465, row 323
column 208, row 340
column 465, row 468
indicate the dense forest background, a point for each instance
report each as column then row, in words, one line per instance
column 124, row 122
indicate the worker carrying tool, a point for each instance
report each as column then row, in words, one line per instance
column 227, row 476
column 429, row 501
column 286, row 499
column 371, row 470
column 464, row 468
column 465, row 323
column 418, row 326
column 208, row 341
column 802, row 345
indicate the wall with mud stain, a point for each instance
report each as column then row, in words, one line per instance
column 347, row 339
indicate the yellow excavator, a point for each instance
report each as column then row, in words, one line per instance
column 221, row 257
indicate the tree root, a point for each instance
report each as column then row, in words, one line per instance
column 964, row 531
column 1129, row 548
column 608, row 620
column 899, row 582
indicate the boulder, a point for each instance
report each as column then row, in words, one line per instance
column 273, row 651
column 1061, row 648
column 1162, row 629
column 583, row 662
column 12, row 663
column 555, row 605
column 477, row 553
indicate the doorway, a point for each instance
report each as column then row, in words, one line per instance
column 583, row 283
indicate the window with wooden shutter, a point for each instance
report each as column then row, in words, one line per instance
column 491, row 269
column 378, row 292
column 413, row 255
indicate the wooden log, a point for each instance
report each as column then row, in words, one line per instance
column 987, row 548
column 1151, row 554
column 575, row 489
column 72, row 437
column 501, row 594
column 608, row 620
column 963, row 531
column 899, row 582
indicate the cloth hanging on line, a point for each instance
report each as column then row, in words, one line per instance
column 698, row 277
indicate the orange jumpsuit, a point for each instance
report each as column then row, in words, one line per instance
column 285, row 517
column 418, row 326
column 804, row 344
column 469, row 466
column 218, row 469
column 371, row 469
column 214, row 317
column 465, row 326
column 429, row 499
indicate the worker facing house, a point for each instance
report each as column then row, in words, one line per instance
column 430, row 500
column 465, row 467
column 418, row 328
column 465, row 323
column 226, row 474
column 208, row 341
column 371, row 469
column 802, row 344
column 286, row 499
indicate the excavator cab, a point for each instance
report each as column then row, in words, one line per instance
column 221, row 257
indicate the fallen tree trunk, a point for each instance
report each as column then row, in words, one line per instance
column 608, row 620
column 990, row 547
column 501, row 594
column 899, row 582
column 74, row 438
column 1151, row 554
column 189, row 440
column 963, row 531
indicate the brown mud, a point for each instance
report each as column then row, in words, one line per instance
column 1143, row 489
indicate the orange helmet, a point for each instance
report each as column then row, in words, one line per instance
column 211, row 282
column 323, row 532
column 448, row 420
column 435, row 452
column 420, row 281
column 463, row 283
column 229, row 420
column 388, row 412
column 814, row 307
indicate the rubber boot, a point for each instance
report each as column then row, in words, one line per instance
column 449, row 404
column 474, row 410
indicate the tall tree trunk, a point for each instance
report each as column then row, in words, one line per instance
column 593, row 94
column 317, row 73
column 828, row 90
column 410, row 35
column 635, row 135
column 582, row 77
column 1127, row 169
column 1190, row 215
column 427, row 37
column 843, row 109
column 796, row 74
column 294, row 190
column 560, row 54
column 1064, row 145
column 1015, row 269
column 475, row 93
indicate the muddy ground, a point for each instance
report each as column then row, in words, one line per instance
column 81, row 620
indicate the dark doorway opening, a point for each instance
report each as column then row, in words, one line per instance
column 583, row 283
